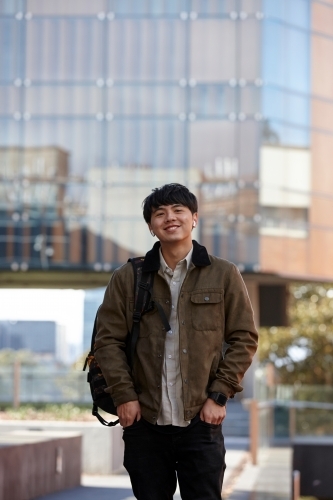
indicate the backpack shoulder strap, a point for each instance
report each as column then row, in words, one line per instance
column 143, row 287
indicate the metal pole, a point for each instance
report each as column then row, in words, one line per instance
column 296, row 485
column 16, row 383
column 254, row 429
column 292, row 422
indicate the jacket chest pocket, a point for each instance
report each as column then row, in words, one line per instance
column 206, row 310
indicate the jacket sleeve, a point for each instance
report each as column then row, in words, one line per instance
column 240, row 334
column 112, row 331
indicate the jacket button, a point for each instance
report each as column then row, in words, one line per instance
column 184, row 351
column 167, row 302
column 183, row 322
column 159, row 355
column 206, row 298
column 158, row 386
column 185, row 380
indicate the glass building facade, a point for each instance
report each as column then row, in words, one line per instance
column 102, row 101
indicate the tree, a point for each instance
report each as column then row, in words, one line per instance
column 303, row 352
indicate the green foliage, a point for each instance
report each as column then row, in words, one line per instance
column 9, row 356
column 303, row 352
column 67, row 411
column 314, row 421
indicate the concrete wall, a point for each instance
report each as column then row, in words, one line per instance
column 32, row 466
column 102, row 447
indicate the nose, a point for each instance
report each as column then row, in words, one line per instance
column 170, row 215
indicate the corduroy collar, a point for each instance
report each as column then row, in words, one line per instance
column 152, row 259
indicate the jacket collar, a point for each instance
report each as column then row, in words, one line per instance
column 151, row 263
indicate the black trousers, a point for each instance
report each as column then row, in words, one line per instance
column 156, row 456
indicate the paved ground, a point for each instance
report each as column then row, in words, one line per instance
column 270, row 480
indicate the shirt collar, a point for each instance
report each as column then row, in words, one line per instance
column 187, row 259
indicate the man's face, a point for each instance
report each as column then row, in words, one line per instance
column 173, row 223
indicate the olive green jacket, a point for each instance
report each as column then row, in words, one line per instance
column 213, row 308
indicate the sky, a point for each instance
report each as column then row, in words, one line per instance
column 63, row 306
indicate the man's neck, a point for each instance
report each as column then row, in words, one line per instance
column 173, row 253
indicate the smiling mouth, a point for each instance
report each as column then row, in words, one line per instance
column 171, row 228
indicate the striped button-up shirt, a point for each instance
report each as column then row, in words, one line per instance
column 172, row 410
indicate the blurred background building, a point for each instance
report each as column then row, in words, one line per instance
column 102, row 101
column 44, row 339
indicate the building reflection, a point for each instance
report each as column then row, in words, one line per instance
column 231, row 98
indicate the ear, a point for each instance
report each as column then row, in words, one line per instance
column 195, row 219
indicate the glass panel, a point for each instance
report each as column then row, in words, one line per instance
column 251, row 6
column 80, row 139
column 210, row 141
column 286, row 57
column 220, row 100
column 249, row 139
column 66, row 7
column 237, row 242
column 213, row 100
column 151, row 143
column 157, row 7
column 214, row 6
column 146, row 100
column 11, row 6
column 249, row 100
column 140, row 41
column 10, row 99
column 296, row 12
column 224, row 150
column 71, row 49
column 11, row 49
column 213, row 50
column 281, row 105
column 11, row 132
column 250, row 47
column 275, row 132
column 61, row 100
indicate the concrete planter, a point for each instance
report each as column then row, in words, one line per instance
column 33, row 465
column 102, row 447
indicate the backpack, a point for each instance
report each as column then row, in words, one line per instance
column 143, row 285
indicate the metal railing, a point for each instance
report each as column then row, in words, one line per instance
column 22, row 384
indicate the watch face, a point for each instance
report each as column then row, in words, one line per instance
column 220, row 399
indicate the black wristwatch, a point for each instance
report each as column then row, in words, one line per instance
column 218, row 397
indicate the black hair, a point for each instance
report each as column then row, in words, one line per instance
column 169, row 194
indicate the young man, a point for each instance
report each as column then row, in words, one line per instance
column 172, row 404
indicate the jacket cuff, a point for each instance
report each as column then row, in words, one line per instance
column 123, row 397
column 218, row 386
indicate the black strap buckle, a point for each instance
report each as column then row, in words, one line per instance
column 136, row 316
column 144, row 286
